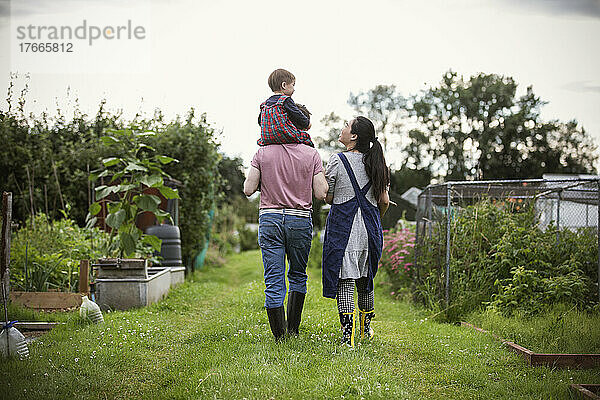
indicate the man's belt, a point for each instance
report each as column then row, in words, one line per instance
column 286, row 211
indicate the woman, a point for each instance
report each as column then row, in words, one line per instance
column 358, row 193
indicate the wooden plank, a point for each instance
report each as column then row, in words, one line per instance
column 46, row 300
column 520, row 350
column 552, row 360
column 566, row 360
column 84, row 268
column 586, row 391
column 37, row 326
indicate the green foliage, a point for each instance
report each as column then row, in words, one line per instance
column 248, row 239
column 130, row 175
column 465, row 128
column 315, row 257
column 478, row 128
column 59, row 153
column 499, row 257
column 385, row 107
column 397, row 258
column 193, row 142
column 48, row 253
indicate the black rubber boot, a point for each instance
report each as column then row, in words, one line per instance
column 277, row 321
column 366, row 331
column 294, row 312
column 347, row 321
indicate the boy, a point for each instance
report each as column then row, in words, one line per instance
column 280, row 119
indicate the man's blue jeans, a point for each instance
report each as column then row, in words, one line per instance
column 280, row 235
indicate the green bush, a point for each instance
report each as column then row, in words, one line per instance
column 501, row 258
column 315, row 257
column 54, row 156
column 248, row 239
column 397, row 258
column 51, row 251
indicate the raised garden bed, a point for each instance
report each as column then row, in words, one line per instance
column 586, row 391
column 550, row 360
column 46, row 300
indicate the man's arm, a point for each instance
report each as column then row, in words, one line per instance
column 251, row 182
column 320, row 186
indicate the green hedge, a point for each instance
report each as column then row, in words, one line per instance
column 53, row 157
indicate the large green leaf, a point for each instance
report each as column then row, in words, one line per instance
column 152, row 241
column 168, row 192
column 95, row 208
column 110, row 161
column 127, row 243
column 103, row 191
column 152, row 180
column 108, row 140
column 147, row 202
column 166, row 159
column 131, row 166
column 126, row 187
column 115, row 220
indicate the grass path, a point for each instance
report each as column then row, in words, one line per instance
column 210, row 339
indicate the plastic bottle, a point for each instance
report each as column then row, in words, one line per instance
column 90, row 310
column 15, row 345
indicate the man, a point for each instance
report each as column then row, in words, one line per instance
column 289, row 175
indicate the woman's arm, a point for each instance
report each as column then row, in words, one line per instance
column 383, row 203
column 251, row 182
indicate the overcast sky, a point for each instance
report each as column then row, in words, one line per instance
column 216, row 56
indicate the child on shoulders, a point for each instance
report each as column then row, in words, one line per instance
column 280, row 119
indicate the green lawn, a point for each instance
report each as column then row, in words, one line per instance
column 210, row 339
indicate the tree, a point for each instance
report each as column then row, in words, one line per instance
column 478, row 129
column 385, row 107
column 328, row 144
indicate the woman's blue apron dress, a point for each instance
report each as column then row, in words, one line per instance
column 337, row 233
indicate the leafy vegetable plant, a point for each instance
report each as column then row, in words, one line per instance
column 135, row 167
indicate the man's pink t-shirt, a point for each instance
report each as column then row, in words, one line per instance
column 286, row 175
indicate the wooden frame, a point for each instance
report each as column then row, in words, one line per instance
column 586, row 391
column 550, row 360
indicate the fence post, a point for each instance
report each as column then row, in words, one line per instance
column 5, row 249
column 84, row 268
column 448, row 205
column 558, row 218
column 598, row 235
column 419, row 220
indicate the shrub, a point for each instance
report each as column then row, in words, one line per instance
column 397, row 258
column 499, row 257
column 52, row 251
column 315, row 257
column 58, row 153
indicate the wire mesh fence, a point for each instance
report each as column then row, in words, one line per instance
column 565, row 208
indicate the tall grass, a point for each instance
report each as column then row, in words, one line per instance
column 210, row 339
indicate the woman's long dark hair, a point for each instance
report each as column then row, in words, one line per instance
column 373, row 157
